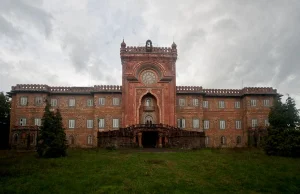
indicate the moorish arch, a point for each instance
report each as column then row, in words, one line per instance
column 149, row 110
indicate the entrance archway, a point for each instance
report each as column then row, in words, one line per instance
column 149, row 139
column 149, row 110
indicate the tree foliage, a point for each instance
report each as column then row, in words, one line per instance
column 283, row 134
column 4, row 108
column 51, row 140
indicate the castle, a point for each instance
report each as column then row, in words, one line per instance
column 148, row 109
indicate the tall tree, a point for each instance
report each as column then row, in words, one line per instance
column 51, row 141
column 4, row 107
column 4, row 120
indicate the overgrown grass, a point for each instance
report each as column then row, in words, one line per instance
column 131, row 171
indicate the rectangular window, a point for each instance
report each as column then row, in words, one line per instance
column 90, row 102
column 253, row 102
column 238, row 124
column 206, row 140
column 22, row 121
column 221, row 104
column 196, row 123
column 37, row 121
column 89, row 124
column 38, row 100
column 237, row 104
column 181, row 123
column 267, row 122
column 116, row 101
column 267, row 102
column 206, row 124
column 101, row 123
column 23, row 101
column 254, row 123
column 222, row 124
column 102, row 101
column 71, row 124
column 195, row 102
column 205, row 104
column 181, row 102
column 53, row 102
column 72, row 102
column 115, row 123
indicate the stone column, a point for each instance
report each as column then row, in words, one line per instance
column 160, row 140
column 140, row 139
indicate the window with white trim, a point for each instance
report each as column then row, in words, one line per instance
column 206, row 124
column 266, row 102
column 205, row 104
column 223, row 140
column 222, row 124
column 22, row 121
column 195, row 102
column 196, row 123
column 181, row 102
column 71, row 123
column 102, row 101
column 253, row 102
column 254, row 122
column 267, row 122
column 89, row 124
column 101, row 123
column 23, row 101
column 38, row 100
column 221, row 104
column 90, row 140
column 72, row 102
column 237, row 104
column 181, row 123
column 37, row 121
column 115, row 123
column 206, row 140
column 90, row 102
column 238, row 124
column 53, row 102
column 116, row 101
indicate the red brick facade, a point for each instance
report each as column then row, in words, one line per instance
column 148, row 93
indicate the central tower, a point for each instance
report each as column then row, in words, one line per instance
column 148, row 84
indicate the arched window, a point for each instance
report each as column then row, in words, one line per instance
column 223, row 140
column 71, row 140
column 90, row 140
column 148, row 102
column 16, row 138
column 206, row 141
column 238, row 139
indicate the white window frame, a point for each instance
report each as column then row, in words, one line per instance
column 37, row 121
column 253, row 102
column 38, row 100
column 267, row 124
column 116, row 101
column 181, row 123
column 222, row 124
column 24, row 101
column 90, row 139
column 22, row 122
column 238, row 124
column 207, row 140
column 206, row 124
column 89, row 123
column 90, row 102
column 115, row 123
column 237, row 104
column 266, row 102
column 53, row 102
column 196, row 123
column 71, row 123
column 181, row 102
column 101, row 123
column 254, row 123
column 205, row 104
column 195, row 102
column 223, row 140
column 101, row 101
column 221, row 104
column 72, row 102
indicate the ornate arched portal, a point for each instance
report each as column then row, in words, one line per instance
column 149, row 112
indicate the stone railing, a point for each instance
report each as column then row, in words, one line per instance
column 30, row 87
column 70, row 89
column 182, row 89
column 222, row 92
column 259, row 90
column 142, row 49
column 99, row 88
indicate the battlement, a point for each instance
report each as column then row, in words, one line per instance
column 30, row 87
column 140, row 49
column 222, row 92
column 189, row 89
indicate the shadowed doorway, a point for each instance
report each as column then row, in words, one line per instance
column 149, row 139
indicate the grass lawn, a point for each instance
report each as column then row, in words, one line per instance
column 131, row 171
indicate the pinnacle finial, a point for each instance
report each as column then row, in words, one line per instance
column 123, row 44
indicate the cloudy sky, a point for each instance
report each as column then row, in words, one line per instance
column 221, row 44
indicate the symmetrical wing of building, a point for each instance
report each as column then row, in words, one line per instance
column 148, row 107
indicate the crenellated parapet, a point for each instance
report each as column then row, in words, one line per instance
column 259, row 90
column 189, row 89
column 222, row 92
column 30, row 87
column 108, row 88
column 70, row 89
column 140, row 49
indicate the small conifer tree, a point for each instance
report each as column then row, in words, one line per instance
column 51, row 141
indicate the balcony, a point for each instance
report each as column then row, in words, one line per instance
column 149, row 108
